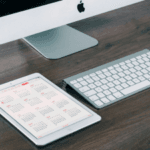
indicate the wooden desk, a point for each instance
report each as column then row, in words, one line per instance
column 125, row 124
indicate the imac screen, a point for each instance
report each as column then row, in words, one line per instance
column 8, row 7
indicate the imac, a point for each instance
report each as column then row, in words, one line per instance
column 43, row 23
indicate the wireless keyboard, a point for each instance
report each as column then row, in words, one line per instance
column 113, row 81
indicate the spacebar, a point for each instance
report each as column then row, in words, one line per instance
column 136, row 87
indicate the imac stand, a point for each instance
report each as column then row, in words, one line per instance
column 60, row 42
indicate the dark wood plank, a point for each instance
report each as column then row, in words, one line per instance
column 125, row 124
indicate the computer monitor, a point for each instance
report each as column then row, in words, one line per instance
column 43, row 23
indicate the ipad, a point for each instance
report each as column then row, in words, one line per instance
column 41, row 110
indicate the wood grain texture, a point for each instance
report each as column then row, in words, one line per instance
column 125, row 125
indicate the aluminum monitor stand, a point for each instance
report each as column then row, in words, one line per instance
column 60, row 42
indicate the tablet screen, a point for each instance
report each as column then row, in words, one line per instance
column 40, row 108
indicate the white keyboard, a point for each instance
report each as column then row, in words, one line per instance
column 114, row 81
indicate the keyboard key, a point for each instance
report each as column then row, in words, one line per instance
column 105, row 100
column 136, row 87
column 119, row 87
column 116, row 82
column 127, row 61
column 102, row 76
column 143, row 66
column 140, row 61
column 130, row 65
column 92, row 74
column 113, row 71
column 116, row 65
column 93, row 98
column 83, row 82
column 110, row 97
column 138, row 68
column 104, row 70
column 86, row 77
column 148, row 68
column 124, row 67
column 133, row 59
column 98, row 89
column 107, row 74
column 132, row 70
column 144, row 71
column 117, row 94
column 77, row 85
column 121, row 74
column 98, row 72
column 104, row 81
column 84, row 89
column 113, row 90
column 92, row 86
column 122, row 80
column 136, row 80
column 105, row 87
column 148, row 64
column 110, row 84
column 148, row 53
column 106, row 92
column 90, row 93
column 98, row 102
column 133, row 75
column 110, row 68
column 130, row 83
column 115, row 76
column 73, row 82
column 95, row 78
column 124, row 85
column 141, row 78
column 80, row 79
column 119, row 69
column 147, row 76
column 89, row 80
column 101, row 95
column 144, row 55
column 110, row 79
column 138, row 57
column 146, row 59
column 127, row 72
column 122, row 63
column 98, row 83
column 135, row 63
column 139, row 73
column 128, row 78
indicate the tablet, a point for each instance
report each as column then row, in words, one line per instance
column 41, row 110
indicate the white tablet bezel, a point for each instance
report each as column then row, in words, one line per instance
column 57, row 134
